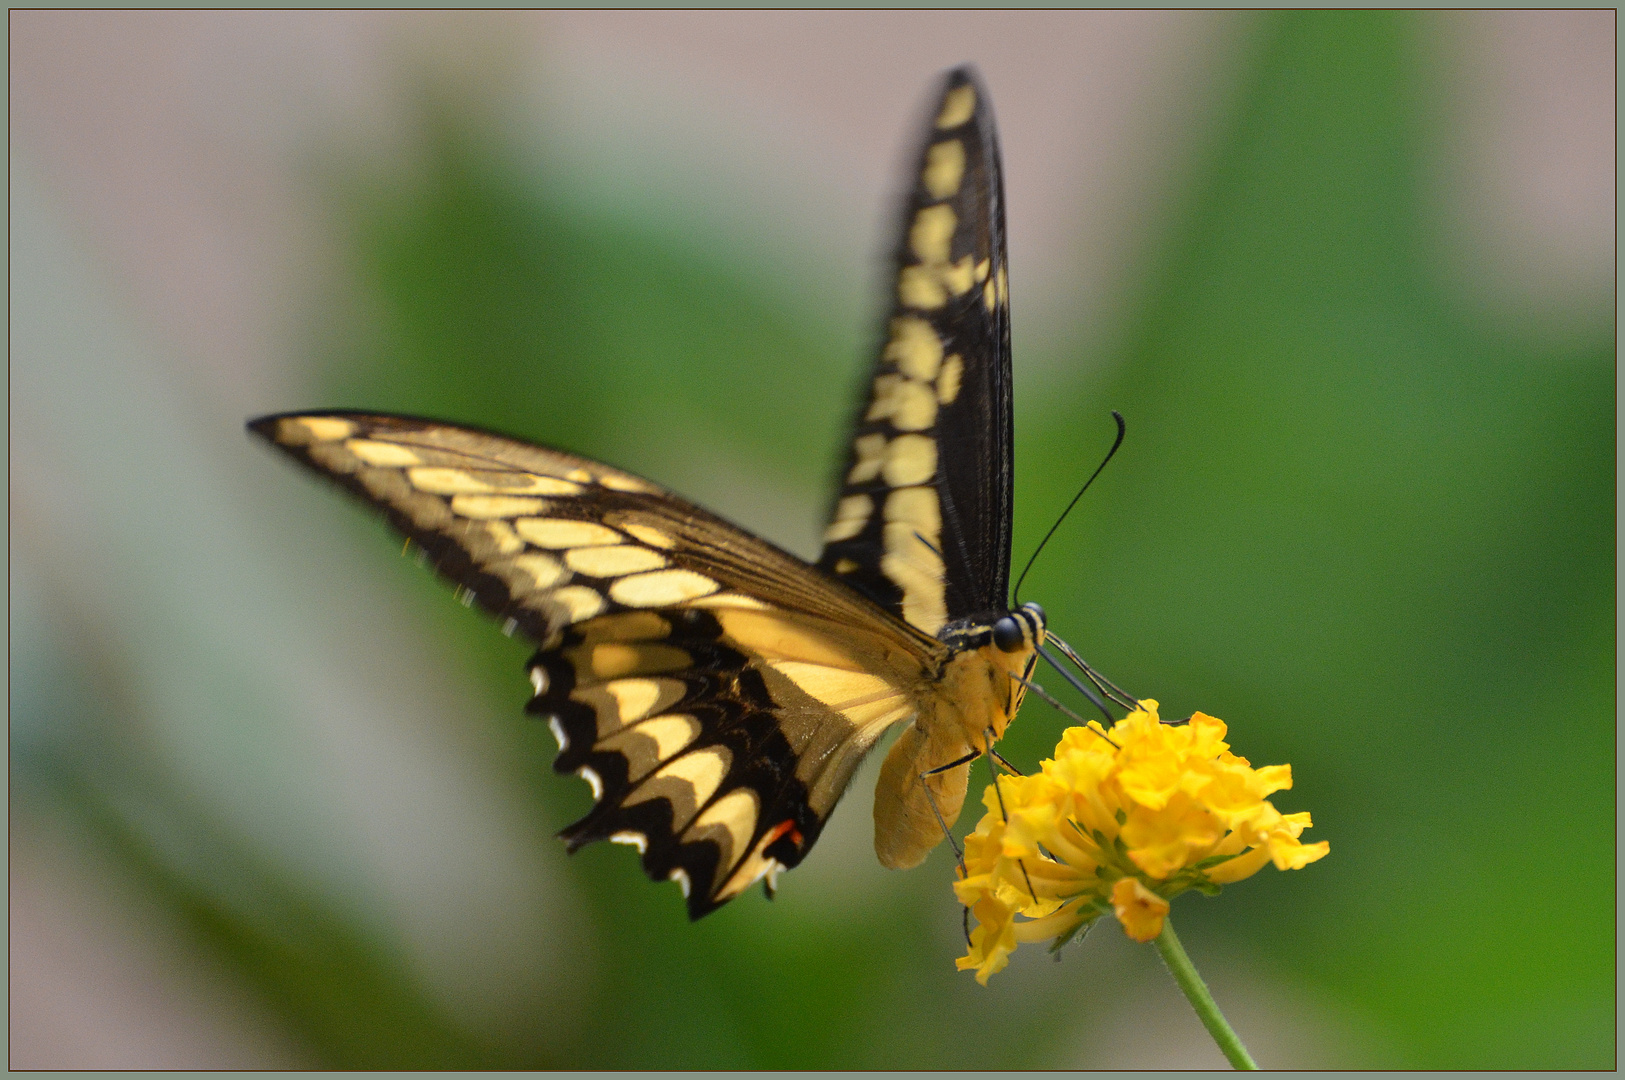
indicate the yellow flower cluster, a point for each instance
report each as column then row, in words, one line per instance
column 1124, row 826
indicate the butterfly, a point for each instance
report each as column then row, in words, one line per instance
column 716, row 692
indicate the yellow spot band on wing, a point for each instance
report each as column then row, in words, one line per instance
column 948, row 383
column 914, row 406
column 502, row 536
column 910, row 459
column 564, row 532
column 389, row 455
column 702, row 770
column 612, row 660
column 439, row 481
column 926, row 286
column 618, row 482
column 920, row 287
column 578, row 601
column 918, row 572
column 885, row 397
column 316, row 429
column 638, row 698
column 958, row 105
column 494, row 506
column 932, row 232
column 871, row 452
column 626, row 701
column 944, row 167
column 543, row 570
column 770, row 636
column 661, row 588
column 851, row 515
column 626, row 626
column 835, row 687
column 914, row 347
column 612, row 561
column 735, row 815
column 957, row 276
column 671, row 733
column 651, row 536
column 918, row 508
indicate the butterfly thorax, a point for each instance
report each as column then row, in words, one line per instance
column 990, row 655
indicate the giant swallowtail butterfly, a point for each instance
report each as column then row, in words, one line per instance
column 716, row 692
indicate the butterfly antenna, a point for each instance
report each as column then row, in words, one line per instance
column 1121, row 430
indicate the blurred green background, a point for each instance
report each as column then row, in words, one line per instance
column 1365, row 514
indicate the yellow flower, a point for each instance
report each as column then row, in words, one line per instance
column 1123, row 826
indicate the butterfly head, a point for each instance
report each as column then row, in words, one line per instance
column 1013, row 652
column 1020, row 631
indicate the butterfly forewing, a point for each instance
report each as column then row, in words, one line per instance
column 715, row 692
column 921, row 522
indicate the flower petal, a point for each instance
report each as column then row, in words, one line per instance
column 1242, row 866
column 992, row 942
column 1058, row 924
column 1140, row 910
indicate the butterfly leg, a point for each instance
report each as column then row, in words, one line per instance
column 966, row 760
column 994, row 759
column 993, row 770
column 1054, row 702
column 993, row 756
column 1002, row 760
column 959, row 856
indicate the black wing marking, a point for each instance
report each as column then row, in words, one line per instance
column 716, row 770
column 922, row 520
column 715, row 691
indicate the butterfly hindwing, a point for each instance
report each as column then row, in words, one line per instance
column 696, row 757
column 715, row 691
column 921, row 522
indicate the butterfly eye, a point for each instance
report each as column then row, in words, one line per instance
column 1007, row 634
column 1036, row 612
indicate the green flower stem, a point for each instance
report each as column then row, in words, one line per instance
column 1184, row 973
